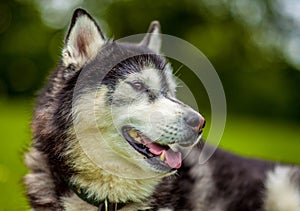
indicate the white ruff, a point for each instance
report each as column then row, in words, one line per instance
column 281, row 193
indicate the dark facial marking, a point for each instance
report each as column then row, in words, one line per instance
column 132, row 65
column 141, row 88
column 174, row 100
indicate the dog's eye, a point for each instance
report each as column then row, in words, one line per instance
column 138, row 86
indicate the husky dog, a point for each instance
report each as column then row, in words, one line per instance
column 109, row 134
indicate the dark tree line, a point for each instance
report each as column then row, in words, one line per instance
column 246, row 43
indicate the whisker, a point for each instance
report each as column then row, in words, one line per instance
column 177, row 71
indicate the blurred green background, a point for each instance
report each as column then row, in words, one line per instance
column 253, row 44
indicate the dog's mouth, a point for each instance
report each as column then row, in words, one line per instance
column 162, row 154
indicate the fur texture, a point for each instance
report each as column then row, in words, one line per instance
column 109, row 122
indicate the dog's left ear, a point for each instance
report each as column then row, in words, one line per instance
column 153, row 37
column 83, row 40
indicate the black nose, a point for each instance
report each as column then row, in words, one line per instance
column 194, row 120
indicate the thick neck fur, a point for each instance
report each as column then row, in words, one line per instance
column 100, row 169
column 104, row 185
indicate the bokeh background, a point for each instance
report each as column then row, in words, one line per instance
column 253, row 44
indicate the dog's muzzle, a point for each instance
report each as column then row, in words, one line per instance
column 163, row 155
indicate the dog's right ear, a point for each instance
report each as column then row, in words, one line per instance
column 83, row 40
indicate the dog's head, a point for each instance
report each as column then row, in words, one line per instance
column 124, row 100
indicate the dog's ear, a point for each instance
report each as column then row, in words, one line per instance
column 83, row 40
column 153, row 37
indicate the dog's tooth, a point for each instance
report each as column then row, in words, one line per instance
column 133, row 133
column 138, row 139
column 162, row 156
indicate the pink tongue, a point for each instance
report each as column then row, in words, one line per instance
column 173, row 159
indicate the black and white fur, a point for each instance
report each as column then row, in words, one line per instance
column 90, row 93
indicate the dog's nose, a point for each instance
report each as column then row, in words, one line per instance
column 194, row 120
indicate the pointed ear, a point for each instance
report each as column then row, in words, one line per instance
column 153, row 38
column 83, row 40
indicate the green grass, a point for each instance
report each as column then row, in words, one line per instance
column 267, row 139
column 15, row 135
column 279, row 141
